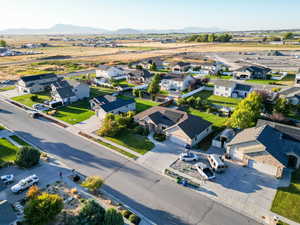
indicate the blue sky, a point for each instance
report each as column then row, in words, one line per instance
column 152, row 14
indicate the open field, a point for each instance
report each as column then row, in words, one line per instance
column 287, row 199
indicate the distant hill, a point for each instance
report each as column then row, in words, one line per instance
column 73, row 29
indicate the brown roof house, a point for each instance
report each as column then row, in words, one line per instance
column 179, row 127
column 268, row 148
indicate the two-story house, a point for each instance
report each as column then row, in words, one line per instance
column 181, row 67
column 139, row 76
column 36, row 83
column 252, row 72
column 110, row 72
column 69, row 91
column 227, row 88
column 176, row 82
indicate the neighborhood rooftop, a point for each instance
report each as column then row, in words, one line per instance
column 38, row 77
column 109, row 102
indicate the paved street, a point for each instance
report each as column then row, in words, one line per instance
column 155, row 196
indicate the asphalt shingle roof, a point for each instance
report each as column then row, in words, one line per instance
column 109, row 103
column 38, row 77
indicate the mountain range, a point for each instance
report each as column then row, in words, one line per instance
column 73, row 29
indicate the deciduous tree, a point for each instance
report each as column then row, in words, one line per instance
column 112, row 217
column 27, row 157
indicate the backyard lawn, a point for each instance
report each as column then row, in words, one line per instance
column 26, row 99
column 218, row 100
column 7, row 88
column 7, row 151
column 135, row 142
column 75, row 113
column 141, row 104
column 287, row 199
column 98, row 91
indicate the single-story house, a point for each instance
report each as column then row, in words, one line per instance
column 103, row 105
column 69, row 91
column 266, row 149
column 181, row 67
column 110, row 72
column 36, row 83
column 139, row 76
column 179, row 127
column 252, row 72
column 7, row 213
column 176, row 82
column 292, row 94
column 149, row 62
column 231, row 89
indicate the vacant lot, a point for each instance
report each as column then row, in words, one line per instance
column 287, row 200
column 135, row 142
column 7, row 151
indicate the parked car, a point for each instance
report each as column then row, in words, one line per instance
column 7, row 179
column 40, row 107
column 188, row 157
column 216, row 162
column 25, row 183
column 205, row 171
column 33, row 113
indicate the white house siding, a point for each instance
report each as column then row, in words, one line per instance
column 131, row 107
column 222, row 91
column 82, row 91
column 261, row 167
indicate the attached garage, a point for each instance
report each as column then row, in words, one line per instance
column 264, row 168
column 177, row 140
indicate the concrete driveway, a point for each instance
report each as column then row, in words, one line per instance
column 10, row 93
column 161, row 156
column 90, row 125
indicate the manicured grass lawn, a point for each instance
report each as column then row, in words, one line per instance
column 75, row 113
column 135, row 142
column 141, row 104
column 287, row 199
column 163, row 92
column 218, row 100
column 98, row 91
column 7, row 88
column 219, row 77
column 19, row 140
column 124, row 83
column 26, row 99
column 217, row 121
column 7, row 151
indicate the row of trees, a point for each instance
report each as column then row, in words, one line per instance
column 211, row 37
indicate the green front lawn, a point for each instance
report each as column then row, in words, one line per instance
column 218, row 100
column 287, row 199
column 74, row 113
column 7, row 151
column 124, row 83
column 135, row 142
column 99, row 91
column 26, row 99
column 19, row 140
column 7, row 88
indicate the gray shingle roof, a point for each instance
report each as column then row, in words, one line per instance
column 38, row 77
column 194, row 125
column 159, row 118
column 109, row 103
column 243, row 87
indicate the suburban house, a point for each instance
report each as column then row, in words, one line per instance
column 139, row 76
column 214, row 67
column 176, row 82
column 8, row 214
column 103, row 105
column 179, row 127
column 149, row 62
column 181, row 67
column 36, row 83
column 268, row 148
column 252, row 72
column 110, row 72
column 292, row 94
column 69, row 91
column 297, row 80
column 231, row 89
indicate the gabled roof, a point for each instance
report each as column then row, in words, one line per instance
column 140, row 73
column 243, row 87
column 173, row 76
column 38, row 77
column 65, row 88
column 193, row 125
column 182, row 64
column 7, row 214
column 252, row 69
column 159, row 118
column 109, row 103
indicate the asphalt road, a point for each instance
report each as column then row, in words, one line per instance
column 155, row 196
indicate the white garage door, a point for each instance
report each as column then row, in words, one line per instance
column 264, row 168
column 177, row 141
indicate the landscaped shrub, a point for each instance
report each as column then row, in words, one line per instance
column 34, row 98
column 113, row 217
column 159, row 137
column 134, row 219
column 27, row 157
column 93, row 183
column 91, row 213
column 126, row 213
